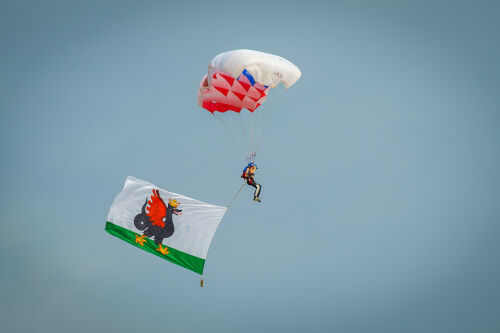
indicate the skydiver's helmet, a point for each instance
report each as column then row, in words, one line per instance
column 251, row 164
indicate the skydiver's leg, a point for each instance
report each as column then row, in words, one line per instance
column 257, row 189
column 257, row 192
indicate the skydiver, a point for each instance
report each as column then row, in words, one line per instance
column 248, row 173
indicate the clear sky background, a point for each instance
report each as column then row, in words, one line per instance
column 380, row 168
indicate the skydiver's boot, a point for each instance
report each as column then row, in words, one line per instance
column 256, row 199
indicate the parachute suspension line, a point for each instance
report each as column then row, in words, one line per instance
column 235, row 142
column 257, row 124
column 251, row 158
column 245, row 131
column 264, row 127
column 265, row 119
column 235, row 196
column 252, row 133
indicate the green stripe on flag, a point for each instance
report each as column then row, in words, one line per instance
column 177, row 257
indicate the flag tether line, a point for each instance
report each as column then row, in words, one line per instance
column 235, row 196
column 228, row 205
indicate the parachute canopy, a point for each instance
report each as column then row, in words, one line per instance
column 242, row 78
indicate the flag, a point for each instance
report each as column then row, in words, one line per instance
column 174, row 227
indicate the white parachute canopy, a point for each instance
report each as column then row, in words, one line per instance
column 267, row 69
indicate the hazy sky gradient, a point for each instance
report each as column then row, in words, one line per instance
column 380, row 168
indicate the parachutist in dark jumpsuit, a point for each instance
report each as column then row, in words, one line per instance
column 248, row 174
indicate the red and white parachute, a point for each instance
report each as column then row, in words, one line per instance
column 242, row 79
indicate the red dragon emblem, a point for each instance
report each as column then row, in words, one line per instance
column 155, row 219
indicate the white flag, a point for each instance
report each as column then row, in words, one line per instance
column 169, row 225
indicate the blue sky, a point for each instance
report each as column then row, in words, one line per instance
column 379, row 168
